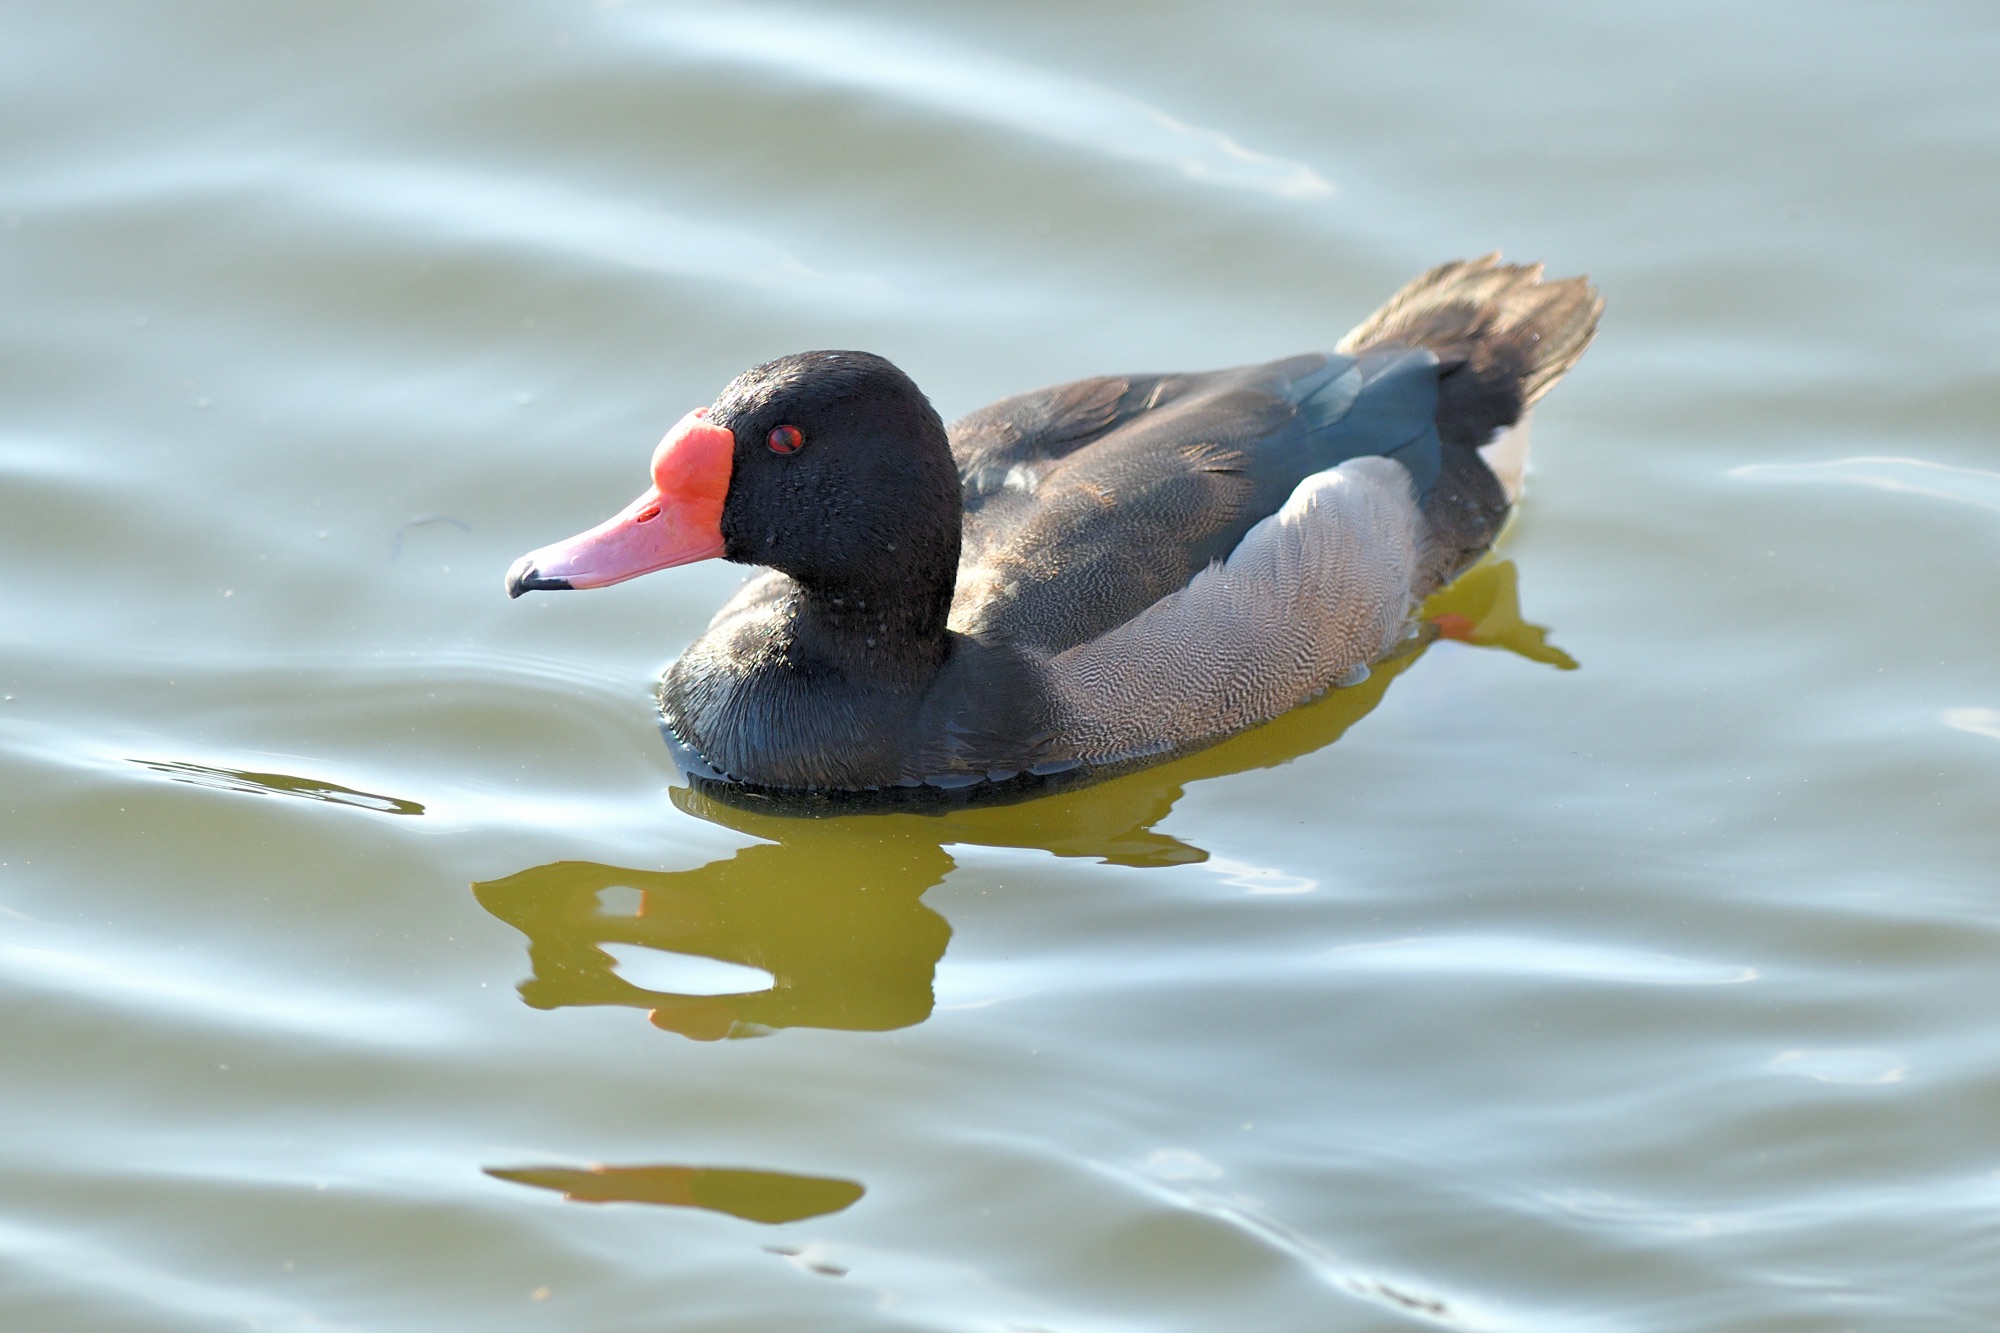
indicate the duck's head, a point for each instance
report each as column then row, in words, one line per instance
column 830, row 466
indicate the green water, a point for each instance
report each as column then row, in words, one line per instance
column 364, row 966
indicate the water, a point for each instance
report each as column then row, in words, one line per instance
column 364, row 967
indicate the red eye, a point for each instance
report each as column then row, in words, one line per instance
column 786, row 440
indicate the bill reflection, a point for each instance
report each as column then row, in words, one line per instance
column 755, row 1196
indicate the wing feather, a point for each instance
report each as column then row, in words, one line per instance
column 1314, row 591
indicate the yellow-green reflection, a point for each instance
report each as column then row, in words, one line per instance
column 1484, row 608
column 836, row 920
column 756, row 1196
column 831, row 907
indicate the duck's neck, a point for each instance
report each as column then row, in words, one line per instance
column 889, row 631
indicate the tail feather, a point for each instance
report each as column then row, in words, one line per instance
column 1502, row 336
column 1516, row 333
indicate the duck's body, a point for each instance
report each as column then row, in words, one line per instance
column 1087, row 576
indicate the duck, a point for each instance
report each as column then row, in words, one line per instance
column 1078, row 580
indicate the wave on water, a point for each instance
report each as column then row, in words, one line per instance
column 103, row 973
column 1514, row 956
column 539, row 214
column 24, row 458
column 467, row 207
column 1909, row 476
column 1842, row 1066
column 944, row 77
column 1974, row 721
column 1166, row 1179
column 134, row 1294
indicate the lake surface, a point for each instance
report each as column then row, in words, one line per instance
column 1630, row 961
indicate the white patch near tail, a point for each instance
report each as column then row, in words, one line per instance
column 1507, row 456
column 1309, row 597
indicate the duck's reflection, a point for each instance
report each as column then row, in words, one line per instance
column 834, row 917
column 831, row 908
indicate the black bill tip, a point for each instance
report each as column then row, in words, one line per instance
column 524, row 577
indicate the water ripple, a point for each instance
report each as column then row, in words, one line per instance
column 129, row 1286
column 24, row 459
column 1517, row 956
column 468, row 208
column 1910, row 476
column 1842, row 1066
column 536, row 213
column 943, row 77
column 153, row 984
column 1976, row 721
column 1401, row 1295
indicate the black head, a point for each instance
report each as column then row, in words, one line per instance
column 843, row 478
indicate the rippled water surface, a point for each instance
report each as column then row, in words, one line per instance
column 1627, row 959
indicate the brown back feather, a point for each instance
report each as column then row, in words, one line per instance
column 1493, row 317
